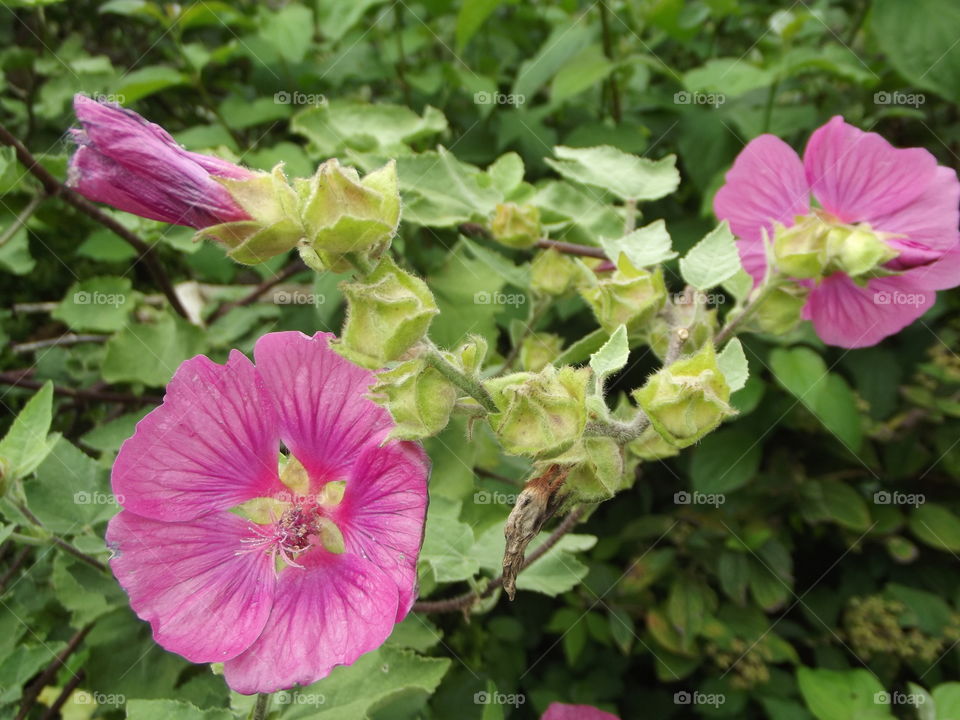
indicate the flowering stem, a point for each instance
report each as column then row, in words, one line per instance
column 260, row 708
column 622, row 432
column 361, row 264
column 470, row 386
column 733, row 324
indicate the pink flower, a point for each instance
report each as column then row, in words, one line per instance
column 856, row 177
column 280, row 576
column 127, row 162
column 561, row 711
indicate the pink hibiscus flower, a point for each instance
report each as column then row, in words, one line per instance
column 855, row 177
column 562, row 711
column 136, row 166
column 279, row 575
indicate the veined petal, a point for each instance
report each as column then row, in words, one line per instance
column 324, row 417
column 204, row 594
column 562, row 711
column 383, row 511
column 211, row 445
column 858, row 176
column 328, row 613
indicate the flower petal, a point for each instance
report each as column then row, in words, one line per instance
column 383, row 509
column 211, row 445
column 204, row 598
column 850, row 316
column 858, row 176
column 329, row 613
column 562, row 711
column 765, row 185
column 324, row 416
column 941, row 274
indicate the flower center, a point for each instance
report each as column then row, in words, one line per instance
column 293, row 522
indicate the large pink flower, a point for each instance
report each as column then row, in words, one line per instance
column 136, row 166
column 856, row 177
column 562, row 711
column 280, row 576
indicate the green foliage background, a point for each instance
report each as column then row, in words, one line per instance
column 802, row 595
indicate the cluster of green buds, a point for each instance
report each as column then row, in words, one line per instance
column 597, row 469
column 688, row 311
column 335, row 218
column 687, row 399
column 817, row 246
column 554, row 274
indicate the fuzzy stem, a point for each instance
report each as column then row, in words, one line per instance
column 261, row 707
column 749, row 310
column 471, row 387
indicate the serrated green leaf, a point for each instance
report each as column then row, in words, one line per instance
column 627, row 176
column 612, row 356
column 26, row 443
column 646, row 246
column 712, row 260
column 733, row 364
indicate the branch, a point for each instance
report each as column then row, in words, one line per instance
column 462, row 602
column 48, row 674
column 53, row 187
column 20, row 379
column 60, row 542
column 477, row 230
column 285, row 274
column 66, row 339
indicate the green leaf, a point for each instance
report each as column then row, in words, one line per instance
column 646, row 246
column 687, row 609
column 71, row 490
column 711, row 261
column 447, row 542
column 151, row 353
column 842, row 694
column 583, row 348
column 804, row 374
column 440, row 191
column 289, row 31
column 946, row 699
column 585, row 70
column 471, row 17
column 730, row 77
column 164, row 709
column 936, row 526
column 109, row 436
column 920, row 40
column 15, row 254
column 336, row 18
column 563, row 43
column 725, row 460
column 146, row 81
column 26, row 443
column 837, row 502
column 98, row 304
column 611, row 357
column 733, row 365
column 627, row 176
column 465, row 291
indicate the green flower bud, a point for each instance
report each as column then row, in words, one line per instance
column 781, row 310
column 540, row 414
column 800, row 251
column 553, row 273
column 651, row 446
column 539, row 350
column 689, row 313
column 857, row 250
column 275, row 227
column 688, row 399
column 516, row 226
column 344, row 214
column 630, row 297
column 387, row 313
column 597, row 471
column 418, row 398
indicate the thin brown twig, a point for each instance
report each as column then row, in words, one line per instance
column 464, row 601
column 54, row 710
column 285, row 274
column 17, row 563
column 32, row 692
column 66, row 339
column 572, row 248
column 55, row 188
column 60, row 542
column 20, row 379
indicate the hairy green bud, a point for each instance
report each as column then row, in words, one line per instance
column 539, row 350
column 857, row 250
column 688, row 399
column 418, row 398
column 800, row 251
column 516, row 226
column 630, row 297
column 539, row 414
column 597, row 471
column 781, row 310
column 553, row 273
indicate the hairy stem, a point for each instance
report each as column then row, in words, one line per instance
column 468, row 385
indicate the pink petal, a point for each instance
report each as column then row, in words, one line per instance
column 941, row 274
column 329, row 613
column 203, row 597
column 765, row 185
column 383, row 510
column 562, row 711
column 929, row 222
column 324, row 418
column 858, row 176
column 849, row 316
column 211, row 445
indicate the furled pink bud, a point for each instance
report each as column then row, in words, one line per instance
column 136, row 166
